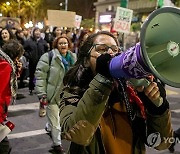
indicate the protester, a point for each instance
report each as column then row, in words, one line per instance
column 95, row 109
column 9, row 68
column 26, row 33
column 79, row 42
column 56, row 32
column 48, row 37
column 5, row 35
column 20, row 36
column 34, row 47
column 49, row 76
column 63, row 33
column 24, row 73
column 69, row 34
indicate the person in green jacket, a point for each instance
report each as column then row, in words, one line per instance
column 100, row 115
column 50, row 71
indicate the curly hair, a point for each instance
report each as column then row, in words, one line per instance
column 13, row 49
column 55, row 42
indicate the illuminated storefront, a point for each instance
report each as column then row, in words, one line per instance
column 106, row 9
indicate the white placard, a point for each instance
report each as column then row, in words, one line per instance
column 122, row 21
column 78, row 20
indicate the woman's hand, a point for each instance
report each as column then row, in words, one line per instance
column 102, row 65
column 19, row 68
column 151, row 91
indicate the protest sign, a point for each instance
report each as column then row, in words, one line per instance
column 61, row 18
column 122, row 21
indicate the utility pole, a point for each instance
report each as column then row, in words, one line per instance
column 66, row 5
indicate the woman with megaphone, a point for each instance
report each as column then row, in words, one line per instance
column 100, row 114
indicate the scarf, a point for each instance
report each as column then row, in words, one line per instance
column 13, row 80
column 67, row 61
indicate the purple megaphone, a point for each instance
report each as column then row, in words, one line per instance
column 154, row 54
column 129, row 64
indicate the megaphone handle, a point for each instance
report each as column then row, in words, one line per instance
column 144, row 82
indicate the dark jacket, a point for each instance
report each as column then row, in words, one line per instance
column 35, row 49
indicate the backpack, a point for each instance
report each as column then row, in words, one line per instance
column 50, row 55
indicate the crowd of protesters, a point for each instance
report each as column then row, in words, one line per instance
column 36, row 42
column 37, row 70
column 78, row 55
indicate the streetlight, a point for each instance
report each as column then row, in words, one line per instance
column 65, row 3
column 61, row 4
column 8, row 3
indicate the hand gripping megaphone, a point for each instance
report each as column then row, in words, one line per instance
column 158, row 50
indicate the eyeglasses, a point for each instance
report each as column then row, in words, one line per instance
column 62, row 43
column 103, row 48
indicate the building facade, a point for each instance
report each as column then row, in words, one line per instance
column 106, row 9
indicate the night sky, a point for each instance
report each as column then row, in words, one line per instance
column 84, row 8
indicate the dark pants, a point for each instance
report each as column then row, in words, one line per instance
column 32, row 70
column 23, row 76
column 5, row 147
column 177, row 133
column 176, row 136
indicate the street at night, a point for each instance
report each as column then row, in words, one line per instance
column 89, row 76
column 29, row 136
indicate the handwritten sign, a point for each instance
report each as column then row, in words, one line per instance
column 122, row 21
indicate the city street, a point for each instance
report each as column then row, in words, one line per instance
column 29, row 136
column 41, row 40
